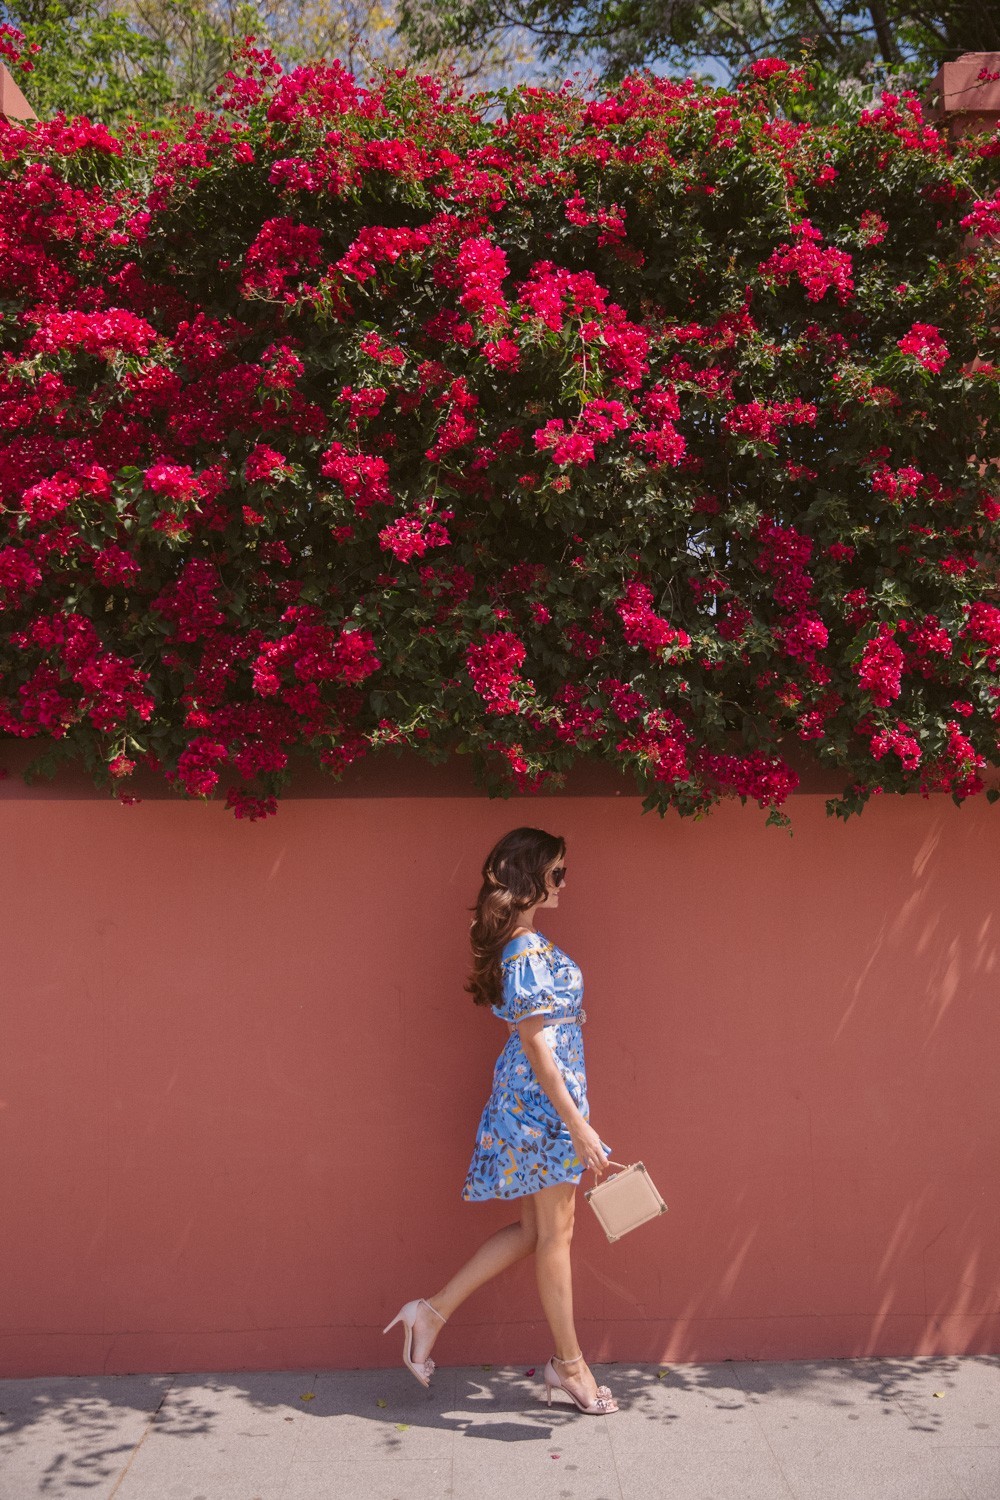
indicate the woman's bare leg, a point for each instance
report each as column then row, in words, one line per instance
column 556, row 1207
column 502, row 1249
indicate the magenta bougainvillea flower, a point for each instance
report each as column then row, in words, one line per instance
column 925, row 343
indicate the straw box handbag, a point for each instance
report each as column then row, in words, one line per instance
column 626, row 1200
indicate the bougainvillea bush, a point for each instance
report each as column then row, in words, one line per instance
column 648, row 428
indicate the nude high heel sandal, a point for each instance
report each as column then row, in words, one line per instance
column 604, row 1404
column 407, row 1316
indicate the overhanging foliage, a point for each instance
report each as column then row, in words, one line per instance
column 532, row 428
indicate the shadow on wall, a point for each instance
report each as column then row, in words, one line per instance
column 807, row 1073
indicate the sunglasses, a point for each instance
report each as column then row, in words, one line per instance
column 558, row 875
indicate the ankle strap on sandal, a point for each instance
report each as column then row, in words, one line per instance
column 570, row 1360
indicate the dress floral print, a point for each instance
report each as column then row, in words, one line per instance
column 522, row 1144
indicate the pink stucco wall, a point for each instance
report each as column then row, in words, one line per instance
column 239, row 1078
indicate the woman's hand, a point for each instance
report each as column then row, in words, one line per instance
column 587, row 1145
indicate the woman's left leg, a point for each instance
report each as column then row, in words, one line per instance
column 502, row 1249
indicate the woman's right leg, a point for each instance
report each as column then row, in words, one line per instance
column 555, row 1207
column 503, row 1248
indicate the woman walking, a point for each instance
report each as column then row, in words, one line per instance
column 534, row 1140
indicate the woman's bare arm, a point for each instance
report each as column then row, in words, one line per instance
column 539, row 1054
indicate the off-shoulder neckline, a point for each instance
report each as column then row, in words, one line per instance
column 520, row 935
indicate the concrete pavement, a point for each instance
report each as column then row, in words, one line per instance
column 867, row 1429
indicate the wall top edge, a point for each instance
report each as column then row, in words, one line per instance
column 961, row 90
column 383, row 776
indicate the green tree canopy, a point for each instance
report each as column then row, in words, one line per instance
column 854, row 45
column 114, row 59
column 91, row 60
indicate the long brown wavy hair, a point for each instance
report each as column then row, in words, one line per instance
column 513, row 880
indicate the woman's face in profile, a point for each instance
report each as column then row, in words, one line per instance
column 552, row 890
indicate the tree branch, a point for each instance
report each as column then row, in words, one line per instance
column 884, row 33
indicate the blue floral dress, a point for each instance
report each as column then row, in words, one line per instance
column 522, row 1144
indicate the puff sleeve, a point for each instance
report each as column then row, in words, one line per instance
column 527, row 984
